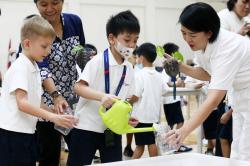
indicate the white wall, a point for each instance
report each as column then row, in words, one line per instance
column 158, row 19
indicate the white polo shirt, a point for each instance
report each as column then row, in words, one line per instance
column 149, row 88
column 228, row 58
column 93, row 74
column 25, row 75
column 230, row 21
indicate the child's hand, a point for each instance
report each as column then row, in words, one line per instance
column 133, row 121
column 225, row 118
column 199, row 85
column 180, row 83
column 108, row 100
column 67, row 121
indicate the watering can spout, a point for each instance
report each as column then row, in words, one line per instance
column 139, row 130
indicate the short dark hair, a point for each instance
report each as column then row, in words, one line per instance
column 91, row 47
column 231, row 4
column 30, row 16
column 201, row 17
column 121, row 22
column 35, row 1
column 170, row 48
column 148, row 51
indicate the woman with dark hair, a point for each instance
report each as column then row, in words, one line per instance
column 235, row 17
column 223, row 60
column 59, row 74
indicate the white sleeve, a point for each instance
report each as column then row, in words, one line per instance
column 166, row 78
column 138, row 84
column 131, row 89
column 224, row 17
column 225, row 64
column 91, row 71
column 18, row 80
column 164, row 87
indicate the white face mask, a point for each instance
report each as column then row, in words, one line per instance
column 124, row 51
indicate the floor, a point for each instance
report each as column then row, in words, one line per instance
column 190, row 140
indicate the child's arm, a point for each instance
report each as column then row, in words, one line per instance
column 82, row 89
column 23, row 105
column 47, row 108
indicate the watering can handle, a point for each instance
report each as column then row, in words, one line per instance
column 102, row 109
column 141, row 130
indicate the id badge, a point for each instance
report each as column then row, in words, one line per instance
column 109, row 138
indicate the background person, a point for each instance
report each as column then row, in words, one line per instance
column 235, row 17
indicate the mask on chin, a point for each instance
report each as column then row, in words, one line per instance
column 124, row 51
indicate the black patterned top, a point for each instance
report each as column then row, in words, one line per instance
column 61, row 63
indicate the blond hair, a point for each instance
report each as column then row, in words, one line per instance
column 36, row 26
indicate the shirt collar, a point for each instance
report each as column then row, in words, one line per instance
column 112, row 61
column 32, row 66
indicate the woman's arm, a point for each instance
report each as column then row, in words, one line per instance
column 59, row 102
column 213, row 99
column 195, row 72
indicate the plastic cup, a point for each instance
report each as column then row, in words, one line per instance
column 160, row 133
column 63, row 130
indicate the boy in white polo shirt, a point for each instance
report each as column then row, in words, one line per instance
column 106, row 76
column 147, row 99
column 21, row 97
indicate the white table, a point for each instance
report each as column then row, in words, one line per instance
column 188, row 92
column 184, row 159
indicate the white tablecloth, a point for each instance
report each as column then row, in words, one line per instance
column 185, row 159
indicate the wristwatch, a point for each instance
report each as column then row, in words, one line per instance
column 55, row 94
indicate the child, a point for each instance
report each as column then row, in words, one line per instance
column 149, row 88
column 106, row 77
column 128, row 152
column 172, row 108
column 21, row 97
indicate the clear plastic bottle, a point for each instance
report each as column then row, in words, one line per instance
column 160, row 133
column 63, row 130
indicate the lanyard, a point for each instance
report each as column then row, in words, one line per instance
column 106, row 74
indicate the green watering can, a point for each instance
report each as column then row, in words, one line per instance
column 117, row 118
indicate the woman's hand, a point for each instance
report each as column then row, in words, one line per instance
column 175, row 137
column 60, row 104
column 244, row 29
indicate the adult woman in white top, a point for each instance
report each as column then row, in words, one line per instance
column 225, row 59
column 235, row 17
